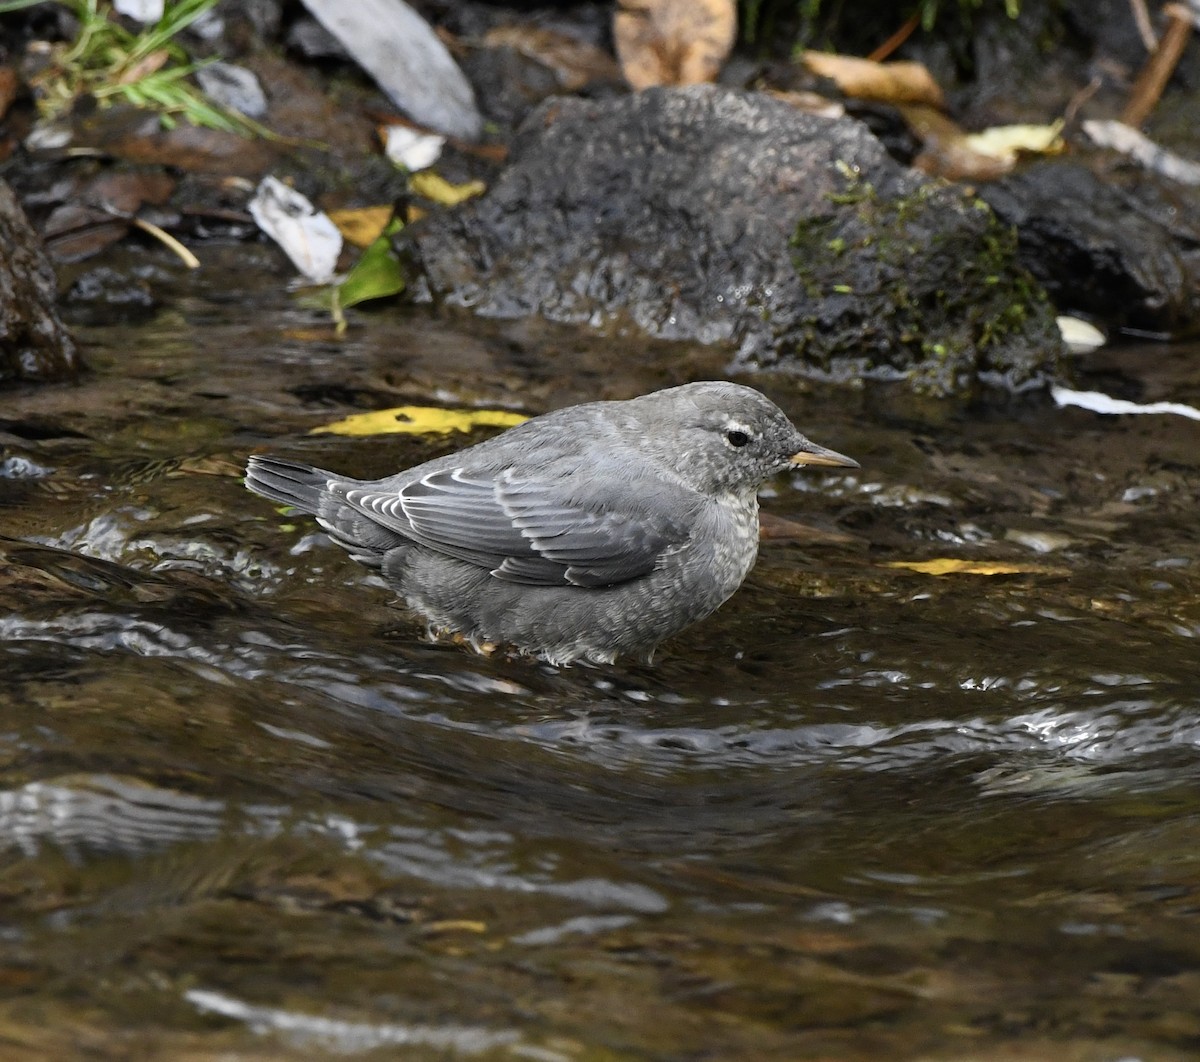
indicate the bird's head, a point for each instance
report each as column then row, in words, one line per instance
column 723, row 437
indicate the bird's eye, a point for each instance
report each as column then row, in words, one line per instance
column 737, row 438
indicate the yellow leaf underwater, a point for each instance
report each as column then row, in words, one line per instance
column 953, row 566
column 420, row 420
column 428, row 185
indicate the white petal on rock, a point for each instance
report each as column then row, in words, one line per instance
column 412, row 150
column 234, row 87
column 310, row 239
column 1079, row 336
column 1098, row 402
column 139, row 10
column 397, row 47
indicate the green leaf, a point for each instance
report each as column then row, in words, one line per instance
column 376, row 275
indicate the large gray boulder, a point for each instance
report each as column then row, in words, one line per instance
column 731, row 218
column 34, row 343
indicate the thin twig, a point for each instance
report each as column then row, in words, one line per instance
column 1141, row 18
column 1080, row 98
column 896, row 39
column 186, row 256
column 1159, row 67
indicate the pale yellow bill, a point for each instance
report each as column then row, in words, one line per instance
column 819, row 455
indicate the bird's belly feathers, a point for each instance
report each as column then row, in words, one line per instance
column 572, row 623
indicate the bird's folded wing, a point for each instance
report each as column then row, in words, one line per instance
column 553, row 531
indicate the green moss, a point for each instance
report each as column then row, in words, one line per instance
column 938, row 294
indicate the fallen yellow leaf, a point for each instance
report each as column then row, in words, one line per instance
column 454, row 925
column 420, row 420
column 428, row 185
column 953, row 566
column 1004, row 141
column 362, row 225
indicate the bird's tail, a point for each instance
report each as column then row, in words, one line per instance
column 311, row 490
column 287, row 482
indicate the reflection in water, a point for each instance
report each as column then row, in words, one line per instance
column 861, row 813
column 347, row 1037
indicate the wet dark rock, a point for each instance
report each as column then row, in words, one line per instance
column 246, row 23
column 103, row 295
column 509, row 84
column 516, row 62
column 309, row 39
column 730, row 218
column 34, row 343
column 1126, row 257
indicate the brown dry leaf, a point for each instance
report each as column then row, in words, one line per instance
column 136, row 135
column 673, row 42
column 10, row 85
column 98, row 213
column 810, row 103
column 144, row 67
column 574, row 62
column 361, row 225
column 772, row 528
column 886, row 82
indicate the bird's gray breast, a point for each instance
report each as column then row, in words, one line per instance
column 720, row 553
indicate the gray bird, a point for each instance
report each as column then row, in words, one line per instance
column 582, row 534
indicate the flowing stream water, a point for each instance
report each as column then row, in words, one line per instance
column 865, row 812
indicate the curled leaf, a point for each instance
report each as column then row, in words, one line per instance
column 376, row 275
column 430, row 185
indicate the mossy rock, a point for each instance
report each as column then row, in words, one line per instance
column 730, row 218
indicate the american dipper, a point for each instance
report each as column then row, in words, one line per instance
column 584, row 533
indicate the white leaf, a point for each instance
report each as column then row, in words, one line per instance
column 1098, row 402
column 397, row 47
column 1079, row 336
column 310, row 239
column 1144, row 151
